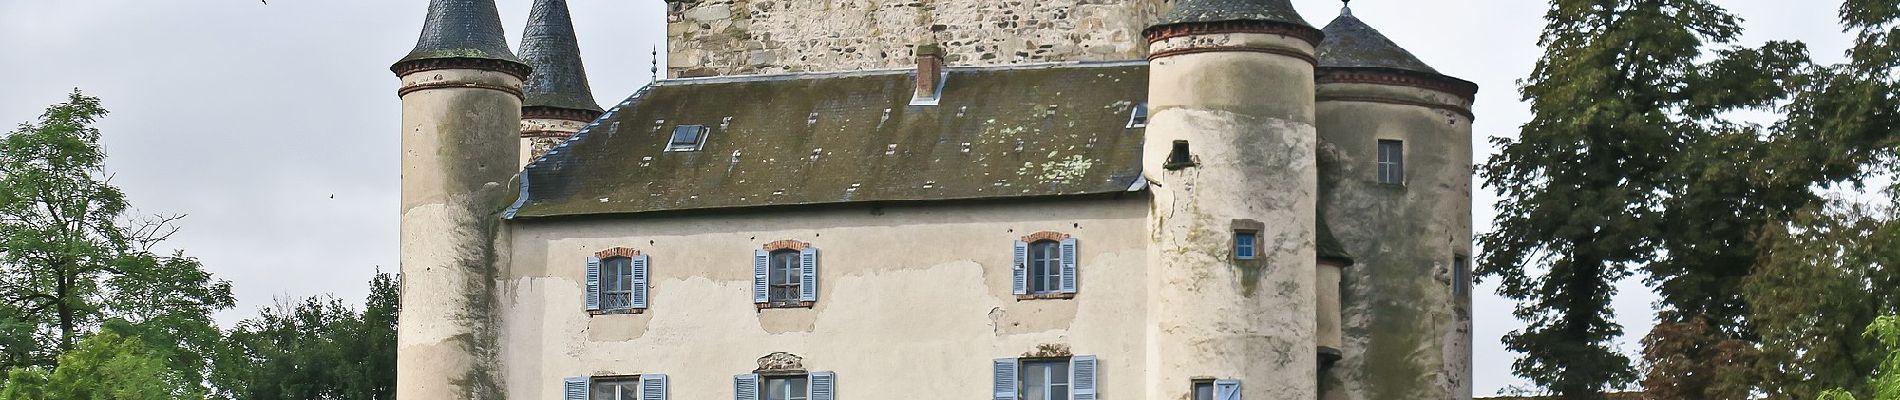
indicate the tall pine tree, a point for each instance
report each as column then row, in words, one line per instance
column 1582, row 184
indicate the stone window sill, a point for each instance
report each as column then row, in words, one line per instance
column 802, row 304
column 1045, row 296
column 620, row 311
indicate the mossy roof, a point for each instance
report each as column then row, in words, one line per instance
column 549, row 45
column 461, row 29
column 997, row 132
column 1350, row 43
column 1192, row 11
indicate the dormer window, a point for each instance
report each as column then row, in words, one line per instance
column 687, row 138
column 1138, row 118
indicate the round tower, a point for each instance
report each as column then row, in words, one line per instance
column 1395, row 173
column 556, row 101
column 1229, row 154
column 461, row 115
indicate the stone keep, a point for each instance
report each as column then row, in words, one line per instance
column 738, row 37
column 461, row 108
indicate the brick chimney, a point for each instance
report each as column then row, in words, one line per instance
column 929, row 74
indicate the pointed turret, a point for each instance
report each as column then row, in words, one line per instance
column 1277, row 16
column 556, row 101
column 1350, row 43
column 461, row 32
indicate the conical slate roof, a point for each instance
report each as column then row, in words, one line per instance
column 1191, row 11
column 1350, row 43
column 549, row 45
column 1325, row 245
column 468, row 29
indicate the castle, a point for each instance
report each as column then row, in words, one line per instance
column 936, row 199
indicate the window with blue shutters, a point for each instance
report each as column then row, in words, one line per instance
column 619, row 387
column 785, row 274
column 1045, row 266
column 617, row 281
column 821, row 385
column 1226, row 389
column 1072, row 378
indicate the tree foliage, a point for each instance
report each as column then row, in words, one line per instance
column 316, row 349
column 105, row 366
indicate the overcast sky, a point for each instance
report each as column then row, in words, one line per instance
column 249, row 117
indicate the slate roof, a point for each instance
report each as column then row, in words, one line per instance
column 1350, row 43
column 1325, row 245
column 461, row 29
column 1190, row 11
column 549, row 45
column 999, row 132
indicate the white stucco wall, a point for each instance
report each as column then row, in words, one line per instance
column 915, row 301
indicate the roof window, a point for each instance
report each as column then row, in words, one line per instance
column 1139, row 118
column 687, row 138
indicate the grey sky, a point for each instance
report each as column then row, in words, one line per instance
column 249, row 117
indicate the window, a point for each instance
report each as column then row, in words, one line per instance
column 1216, row 389
column 785, row 274
column 687, row 138
column 623, row 387
column 616, row 388
column 814, row 386
column 1203, row 389
column 616, row 281
column 1139, row 118
column 1391, row 162
column 1244, row 244
column 1460, row 276
column 1045, row 265
column 1071, row 378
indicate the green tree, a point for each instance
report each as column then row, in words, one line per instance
column 1582, row 184
column 105, row 366
column 316, row 348
column 72, row 260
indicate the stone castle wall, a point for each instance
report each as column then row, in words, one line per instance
column 737, row 37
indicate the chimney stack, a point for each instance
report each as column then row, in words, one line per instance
column 929, row 74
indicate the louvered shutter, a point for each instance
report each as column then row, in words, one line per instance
column 808, row 274
column 639, row 264
column 1003, row 379
column 652, row 386
column 745, row 387
column 593, row 283
column 1226, row 389
column 824, row 386
column 1084, row 380
column 761, row 260
column 574, row 388
column 1019, row 277
column 1068, row 265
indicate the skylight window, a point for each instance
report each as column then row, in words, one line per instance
column 1139, row 118
column 687, row 138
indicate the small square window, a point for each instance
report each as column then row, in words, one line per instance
column 687, row 138
column 1203, row 389
column 1245, row 242
column 615, row 388
column 1139, row 118
column 1391, row 162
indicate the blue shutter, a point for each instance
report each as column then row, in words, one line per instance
column 639, row 265
column 824, row 386
column 1084, row 380
column 593, row 283
column 1003, row 379
column 808, row 274
column 1227, row 389
column 652, row 386
column 574, row 388
column 760, row 261
column 1019, row 280
column 745, row 387
column 1068, row 265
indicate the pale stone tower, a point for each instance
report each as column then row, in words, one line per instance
column 1395, row 166
column 461, row 115
column 1229, row 154
column 556, row 101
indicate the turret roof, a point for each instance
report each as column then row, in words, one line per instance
column 550, row 46
column 461, row 29
column 1350, row 43
column 1190, row 11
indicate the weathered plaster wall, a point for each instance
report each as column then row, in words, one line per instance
column 1406, row 334
column 458, row 162
column 914, row 301
column 734, row 37
column 1248, row 117
column 538, row 135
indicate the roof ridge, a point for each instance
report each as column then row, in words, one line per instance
column 891, row 71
